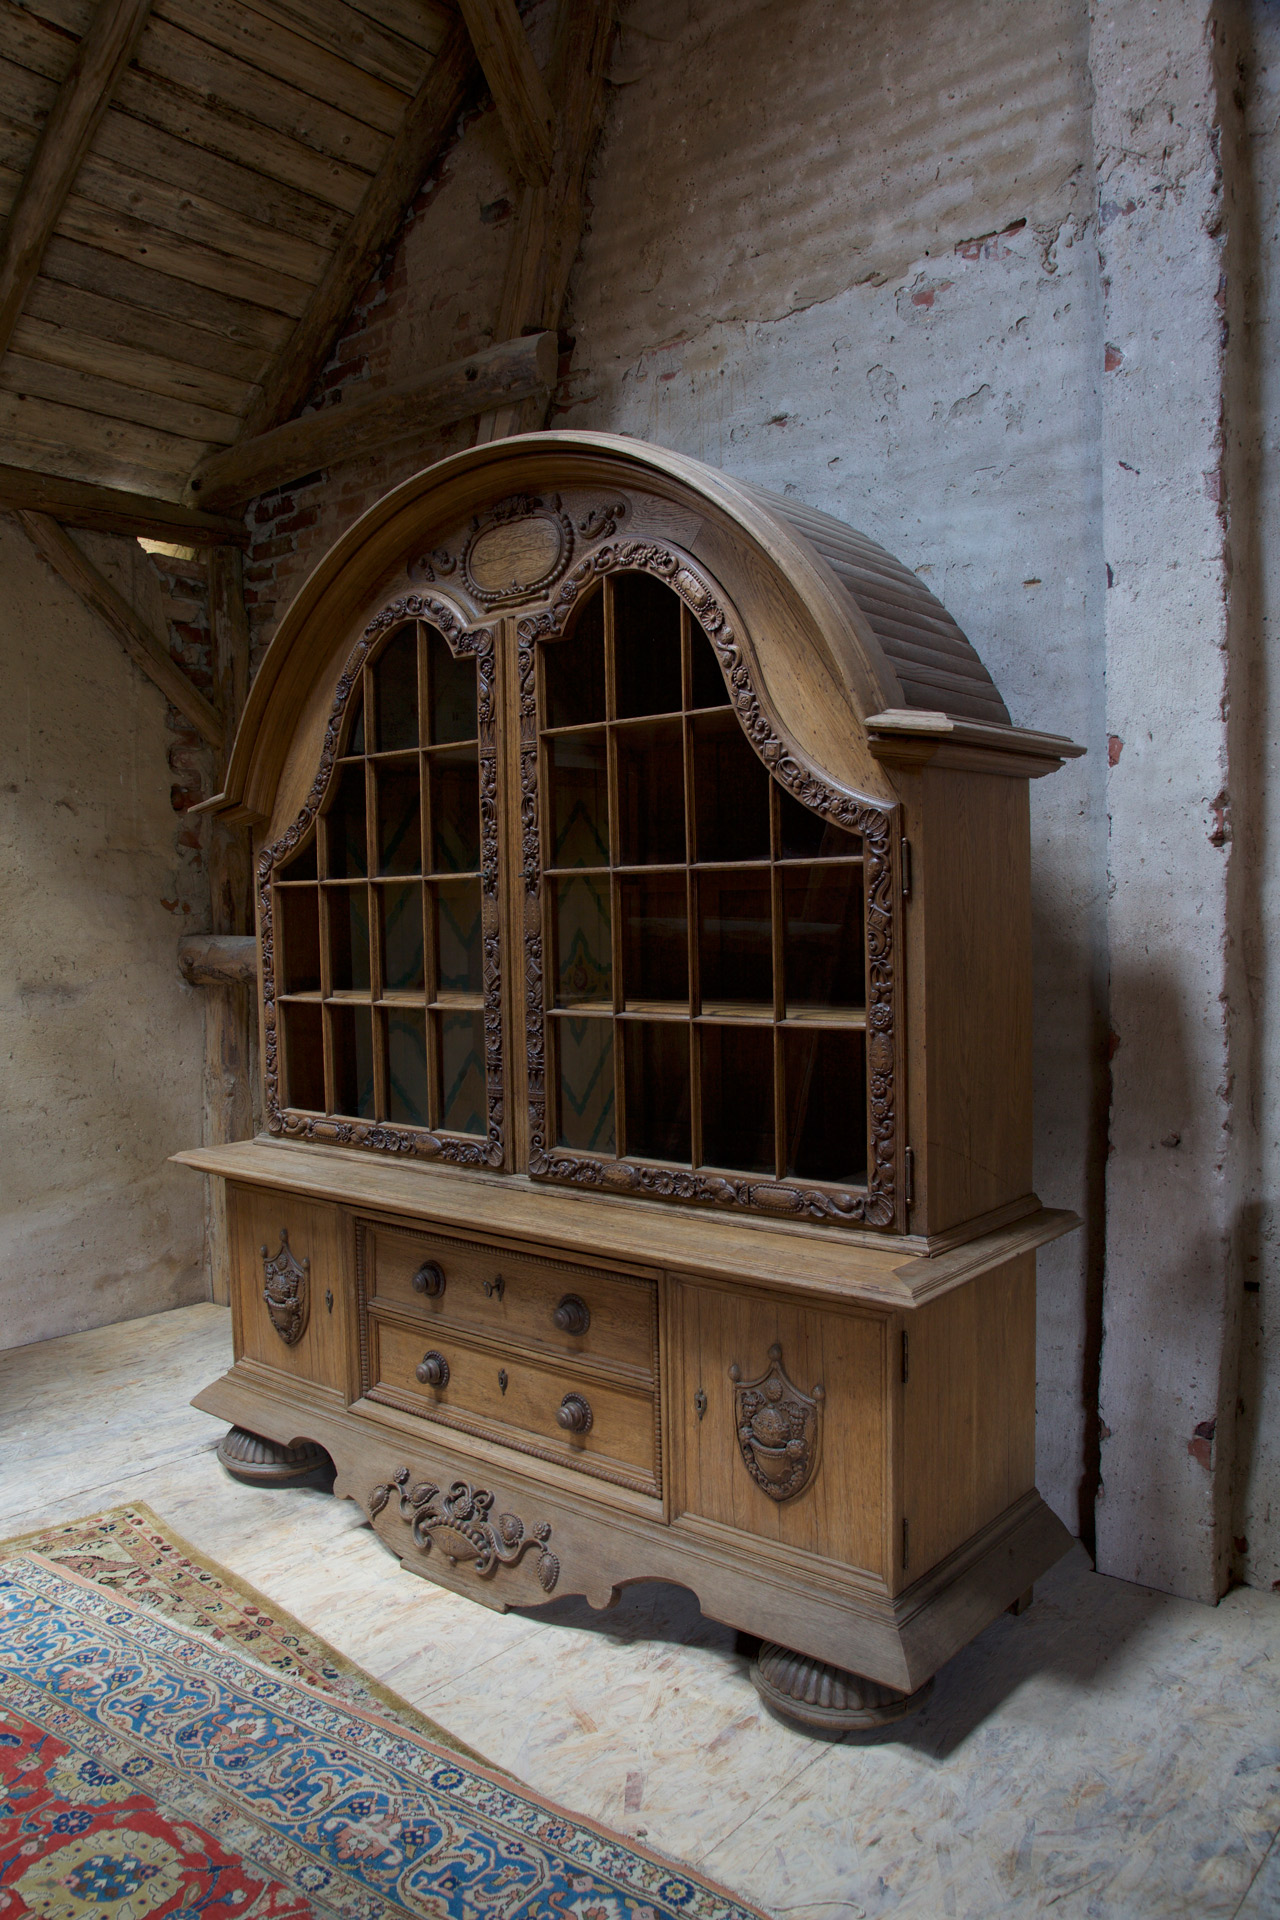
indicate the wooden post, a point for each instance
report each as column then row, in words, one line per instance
column 228, row 1008
column 549, row 222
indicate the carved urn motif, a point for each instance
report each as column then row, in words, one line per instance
column 779, row 1429
column 287, row 1290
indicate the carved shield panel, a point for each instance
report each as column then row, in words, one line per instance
column 779, row 1429
column 287, row 1291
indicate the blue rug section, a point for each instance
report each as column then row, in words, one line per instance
column 335, row 1811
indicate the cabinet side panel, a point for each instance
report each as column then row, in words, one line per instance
column 975, row 895
column 839, row 1514
column 968, row 1410
column 317, row 1234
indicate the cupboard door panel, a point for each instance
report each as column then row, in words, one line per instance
column 839, row 1513
column 259, row 1218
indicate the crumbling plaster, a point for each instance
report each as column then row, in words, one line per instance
column 100, row 1039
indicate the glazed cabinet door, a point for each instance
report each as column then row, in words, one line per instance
column 781, row 1415
column 289, row 1298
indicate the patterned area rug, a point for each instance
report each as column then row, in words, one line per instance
column 130, row 1551
column 149, row 1770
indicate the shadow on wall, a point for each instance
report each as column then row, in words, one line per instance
column 1069, row 971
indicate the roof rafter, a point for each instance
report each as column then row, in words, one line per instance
column 428, row 120
column 549, row 224
column 80, row 503
column 519, row 91
column 137, row 639
column 64, row 140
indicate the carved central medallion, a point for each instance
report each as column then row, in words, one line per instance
column 521, row 547
column 779, row 1429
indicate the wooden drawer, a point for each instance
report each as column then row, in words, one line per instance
column 513, row 1297
column 516, row 1400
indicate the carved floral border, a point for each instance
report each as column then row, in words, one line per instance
column 420, row 1142
column 876, row 1204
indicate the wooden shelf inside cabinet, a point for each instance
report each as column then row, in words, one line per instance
column 646, row 1024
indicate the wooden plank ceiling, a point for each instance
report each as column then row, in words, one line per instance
column 253, row 158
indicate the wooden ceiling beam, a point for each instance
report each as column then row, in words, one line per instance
column 82, row 100
column 141, row 645
column 548, row 227
column 519, row 91
column 503, row 375
column 79, row 503
column 428, row 120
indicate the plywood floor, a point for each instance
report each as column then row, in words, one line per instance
column 1112, row 1754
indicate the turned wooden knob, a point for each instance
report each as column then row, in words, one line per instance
column 575, row 1414
column 429, row 1279
column 573, row 1315
column 433, row 1370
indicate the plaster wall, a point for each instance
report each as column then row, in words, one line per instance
column 897, row 319
column 1255, row 796
column 100, row 1039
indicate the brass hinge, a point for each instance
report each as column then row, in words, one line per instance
column 909, row 1174
column 906, row 869
column 905, row 1555
column 904, row 1358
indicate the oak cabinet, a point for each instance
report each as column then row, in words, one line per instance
column 643, row 911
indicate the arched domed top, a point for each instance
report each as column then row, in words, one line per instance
column 839, row 640
column 937, row 666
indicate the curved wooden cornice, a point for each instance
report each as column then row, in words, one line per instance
column 769, row 570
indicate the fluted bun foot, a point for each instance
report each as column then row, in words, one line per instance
column 265, row 1463
column 825, row 1700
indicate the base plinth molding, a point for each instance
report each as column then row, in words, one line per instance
column 826, row 1700
column 265, row 1463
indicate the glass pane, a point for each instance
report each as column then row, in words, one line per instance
column 461, row 1041
column 825, row 1087
column 455, row 812
column 460, row 952
column 646, row 646
column 348, row 939
column 344, row 827
column 402, row 963
column 731, row 790
column 584, row 956
column 579, row 800
column 407, row 1076
column 737, row 1098
column 655, row 940
column 453, row 692
column 298, row 926
column 586, row 1112
column 303, row 1056
column 355, row 720
column 353, row 1061
column 807, row 836
column 735, row 943
column 573, row 670
column 303, row 864
column 650, row 795
column 708, row 688
column 656, row 1053
column 395, row 692
column 822, row 938
column 399, row 819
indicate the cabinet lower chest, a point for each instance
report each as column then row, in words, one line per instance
column 520, row 1420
